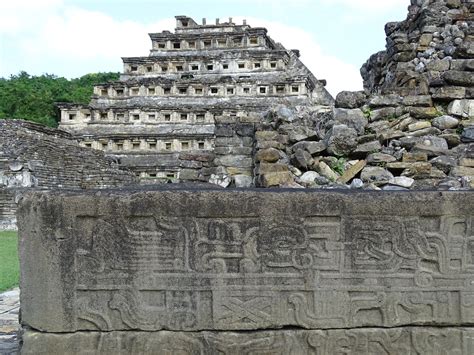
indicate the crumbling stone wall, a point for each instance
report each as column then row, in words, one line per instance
column 32, row 155
column 412, row 127
column 7, row 209
column 242, row 271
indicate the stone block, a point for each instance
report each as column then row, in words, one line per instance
column 377, row 158
column 418, row 100
column 312, row 148
column 449, row 93
column 368, row 341
column 376, row 175
column 419, row 125
column 462, row 171
column 243, row 181
column 341, row 140
column 270, row 155
column 423, row 113
column 353, row 118
column 266, row 136
column 445, row 122
column 367, row 148
column 350, row 99
column 350, row 173
column 385, row 100
column 122, row 266
column 238, row 161
column 462, row 108
column 275, row 179
column 461, row 78
column 264, row 168
column 324, row 169
column 414, row 157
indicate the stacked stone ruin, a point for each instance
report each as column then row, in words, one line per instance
column 226, row 104
column 34, row 156
column 189, row 110
column 412, row 126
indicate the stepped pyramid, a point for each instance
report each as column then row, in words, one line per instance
column 188, row 111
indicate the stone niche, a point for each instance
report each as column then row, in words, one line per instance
column 188, row 271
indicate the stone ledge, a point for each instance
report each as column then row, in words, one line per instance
column 369, row 341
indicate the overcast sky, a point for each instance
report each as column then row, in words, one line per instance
column 74, row 37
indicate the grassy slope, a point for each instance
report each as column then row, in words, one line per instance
column 9, row 266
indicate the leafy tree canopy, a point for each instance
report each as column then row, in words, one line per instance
column 33, row 98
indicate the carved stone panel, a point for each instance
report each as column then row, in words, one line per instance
column 367, row 341
column 196, row 260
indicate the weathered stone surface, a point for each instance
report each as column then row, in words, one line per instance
column 341, row 140
column 375, row 174
column 215, row 259
column 468, row 135
column 366, row 148
column 423, row 112
column 368, row 341
column 350, row 99
column 221, row 180
column 350, row 173
column 402, row 181
column 467, row 162
column 449, row 93
column 7, row 209
column 376, row 158
column 311, row 147
column 462, row 78
column 385, row 100
column 444, row 163
column 309, row 177
column 384, row 113
column 462, row 171
column 270, row 155
column 324, row 169
column 414, row 157
column 302, row 159
column 276, row 179
column 354, row 118
column 243, row 181
column 420, row 100
column 419, row 125
column 462, row 108
column 445, row 122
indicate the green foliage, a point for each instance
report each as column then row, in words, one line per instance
column 9, row 265
column 33, row 98
column 367, row 111
column 339, row 166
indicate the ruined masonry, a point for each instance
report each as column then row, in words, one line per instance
column 187, row 271
column 188, row 111
column 34, row 156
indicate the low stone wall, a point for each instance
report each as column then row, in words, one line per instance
column 32, row 155
column 222, row 271
column 7, row 210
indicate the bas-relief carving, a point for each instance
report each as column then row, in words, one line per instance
column 250, row 273
column 367, row 341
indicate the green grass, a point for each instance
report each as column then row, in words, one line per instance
column 9, row 265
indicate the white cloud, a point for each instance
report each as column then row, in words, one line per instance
column 70, row 41
column 339, row 74
column 370, row 5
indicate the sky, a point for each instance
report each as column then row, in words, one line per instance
column 71, row 38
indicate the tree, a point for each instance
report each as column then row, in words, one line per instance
column 33, row 98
